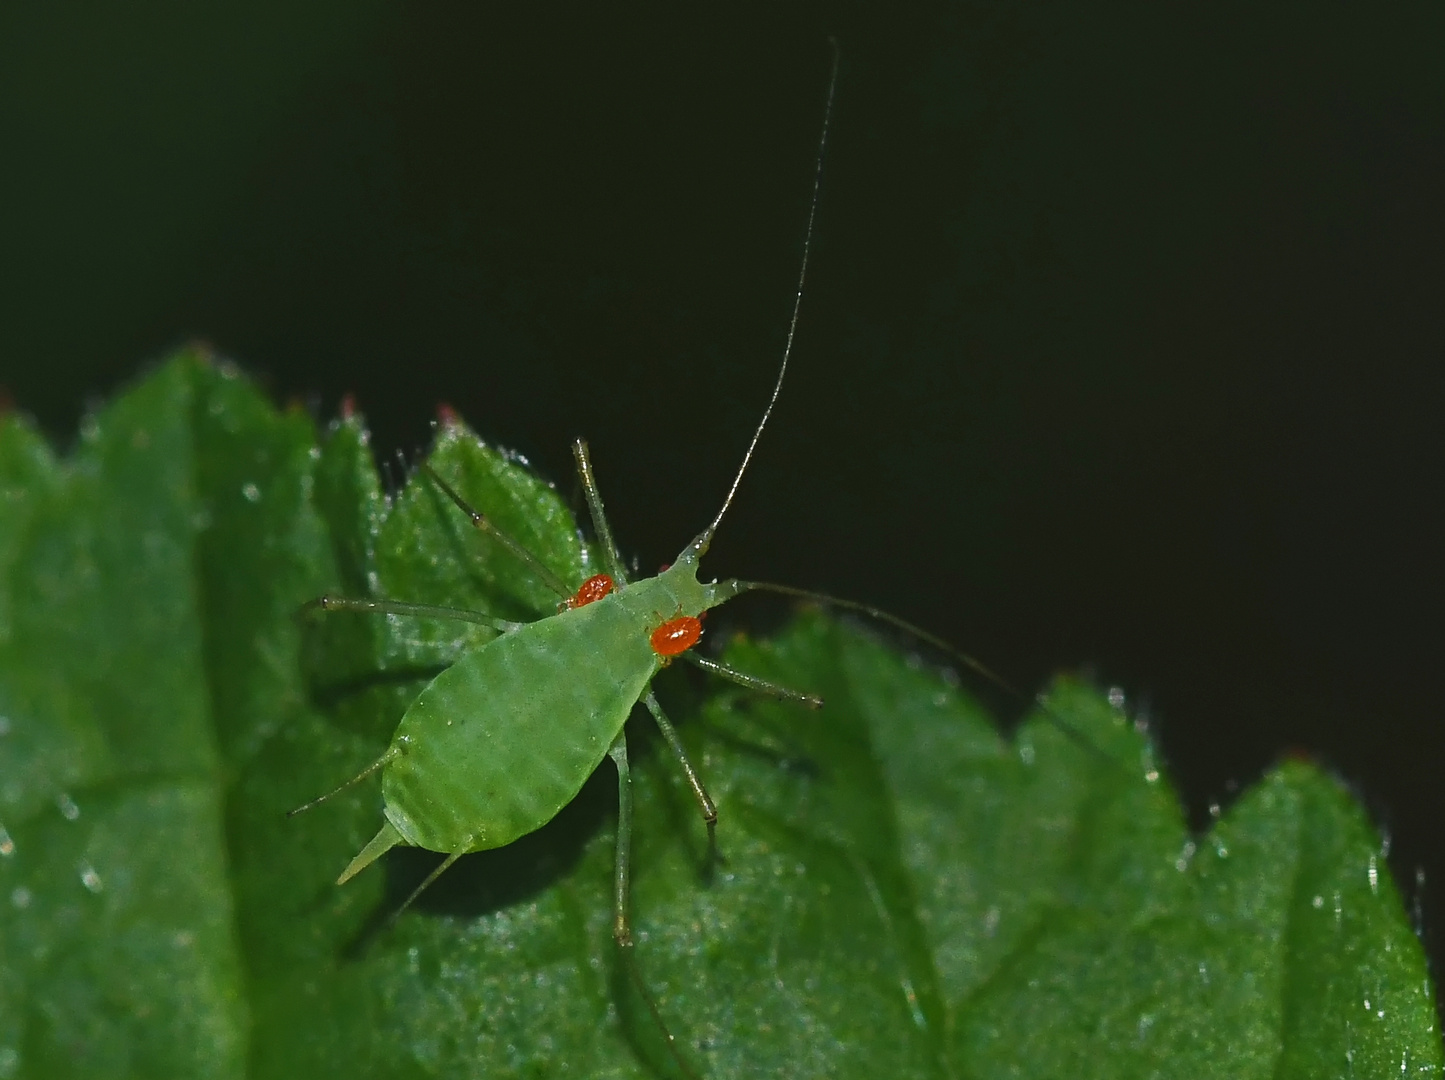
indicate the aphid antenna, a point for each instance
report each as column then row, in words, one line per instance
column 702, row 542
column 978, row 667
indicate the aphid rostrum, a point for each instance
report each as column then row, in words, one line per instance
column 499, row 742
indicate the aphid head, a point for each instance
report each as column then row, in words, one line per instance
column 692, row 596
column 693, row 553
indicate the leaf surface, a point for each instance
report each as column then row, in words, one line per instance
column 903, row 892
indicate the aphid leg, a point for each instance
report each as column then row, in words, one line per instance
column 373, row 767
column 704, row 800
column 401, row 607
column 622, row 874
column 482, row 523
column 622, row 897
column 441, row 869
column 752, row 682
column 599, row 516
column 383, row 842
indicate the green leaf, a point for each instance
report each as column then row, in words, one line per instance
column 904, row 891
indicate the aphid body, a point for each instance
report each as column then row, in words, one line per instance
column 544, row 701
column 499, row 742
column 505, row 738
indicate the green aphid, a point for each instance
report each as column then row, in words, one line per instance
column 503, row 739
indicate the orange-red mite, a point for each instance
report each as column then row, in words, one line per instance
column 676, row 636
column 592, row 590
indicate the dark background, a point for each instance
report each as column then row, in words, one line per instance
column 1122, row 346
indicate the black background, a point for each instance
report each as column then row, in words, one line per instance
column 1122, row 345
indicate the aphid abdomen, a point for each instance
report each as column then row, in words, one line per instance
column 498, row 743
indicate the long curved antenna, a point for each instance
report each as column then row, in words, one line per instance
column 736, row 587
column 797, row 298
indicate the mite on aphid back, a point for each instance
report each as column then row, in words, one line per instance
column 589, row 592
column 676, row 636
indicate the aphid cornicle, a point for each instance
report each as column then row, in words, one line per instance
column 450, row 778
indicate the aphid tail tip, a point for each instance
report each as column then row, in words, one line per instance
column 380, row 844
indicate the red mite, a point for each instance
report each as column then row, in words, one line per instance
column 676, row 636
column 592, row 590
column 672, row 638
